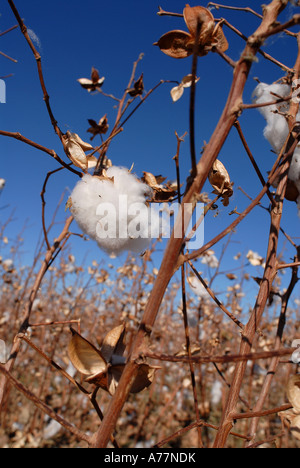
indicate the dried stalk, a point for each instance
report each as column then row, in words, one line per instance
column 270, row 270
column 223, row 359
column 173, row 249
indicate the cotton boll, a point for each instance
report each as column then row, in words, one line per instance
column 111, row 210
column 277, row 130
column 198, row 288
column 216, row 393
column 2, row 184
column 294, row 172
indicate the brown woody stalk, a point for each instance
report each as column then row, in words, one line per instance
column 266, row 284
column 170, row 259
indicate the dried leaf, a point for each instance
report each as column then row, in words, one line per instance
column 95, row 77
column 84, row 356
column 76, row 148
column 179, row 44
column 186, row 82
column 69, row 204
column 222, row 42
column 77, row 155
column 295, row 427
column 98, row 128
column 144, row 378
column 177, row 92
column 220, row 181
column 92, row 161
column 150, row 180
column 292, row 193
column 160, row 193
column 104, row 368
column 193, row 15
column 113, row 343
column 76, row 139
column 138, row 87
column 231, row 276
column 293, row 392
column 174, row 44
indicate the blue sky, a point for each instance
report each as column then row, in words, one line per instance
column 72, row 36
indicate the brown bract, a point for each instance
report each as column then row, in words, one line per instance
column 180, row 44
column 98, row 128
column 103, row 367
column 76, row 149
column 94, row 83
column 220, row 181
column 292, row 416
column 138, row 87
column 160, row 193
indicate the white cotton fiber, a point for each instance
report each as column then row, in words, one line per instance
column 277, row 130
column 112, row 211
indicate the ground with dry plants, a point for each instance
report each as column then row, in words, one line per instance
column 132, row 355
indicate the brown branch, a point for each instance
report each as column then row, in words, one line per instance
column 44, row 204
column 278, row 341
column 288, row 265
column 8, row 57
column 42, row 406
column 270, row 271
column 162, row 12
column 259, row 414
column 250, row 155
column 52, row 153
column 8, row 30
column 173, row 249
column 217, row 6
column 37, row 57
column 222, row 359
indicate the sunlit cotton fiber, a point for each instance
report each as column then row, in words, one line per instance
column 277, row 130
column 112, row 210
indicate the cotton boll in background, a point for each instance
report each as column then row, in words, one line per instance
column 112, row 210
column 277, row 131
column 294, row 172
column 198, row 288
column 2, row 184
column 216, row 393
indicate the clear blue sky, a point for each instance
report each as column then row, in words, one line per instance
column 72, row 37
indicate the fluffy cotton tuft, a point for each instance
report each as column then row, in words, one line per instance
column 2, row 184
column 277, row 130
column 112, row 210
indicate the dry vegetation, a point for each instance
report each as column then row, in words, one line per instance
column 223, row 369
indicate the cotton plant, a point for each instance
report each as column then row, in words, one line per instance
column 112, row 209
column 198, row 289
column 277, row 129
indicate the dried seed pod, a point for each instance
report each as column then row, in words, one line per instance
column 293, row 392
